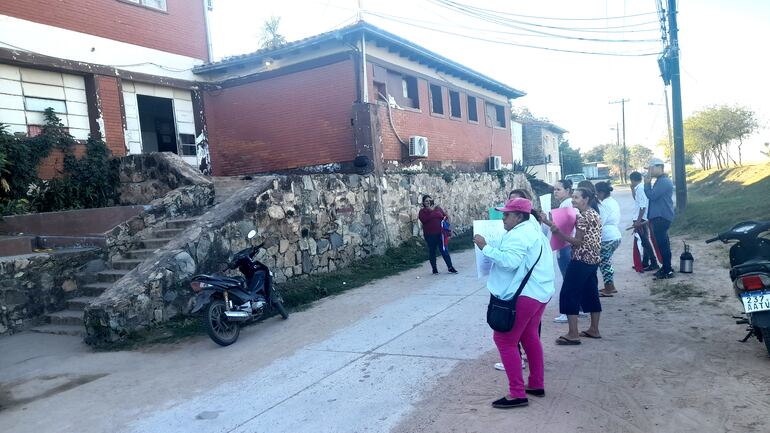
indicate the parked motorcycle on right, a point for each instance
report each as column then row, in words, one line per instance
column 750, row 272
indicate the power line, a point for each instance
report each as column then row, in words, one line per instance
column 500, row 42
column 554, row 18
column 495, row 17
column 535, row 34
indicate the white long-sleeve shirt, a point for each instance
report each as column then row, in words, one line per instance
column 640, row 201
column 609, row 210
column 513, row 257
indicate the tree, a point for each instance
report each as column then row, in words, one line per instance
column 639, row 156
column 710, row 132
column 744, row 124
column 766, row 152
column 571, row 160
column 596, row 153
column 613, row 157
column 270, row 38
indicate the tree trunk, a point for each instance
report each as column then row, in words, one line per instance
column 740, row 145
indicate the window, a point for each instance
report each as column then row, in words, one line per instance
column 152, row 4
column 40, row 104
column 436, row 99
column 495, row 115
column 187, row 144
column 404, row 88
column 454, row 104
column 473, row 114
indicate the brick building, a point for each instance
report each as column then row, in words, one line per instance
column 137, row 73
column 540, row 142
column 118, row 68
column 310, row 105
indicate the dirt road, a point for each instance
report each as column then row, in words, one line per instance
column 669, row 361
column 412, row 353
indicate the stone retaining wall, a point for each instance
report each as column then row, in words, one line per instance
column 310, row 224
column 36, row 284
column 169, row 187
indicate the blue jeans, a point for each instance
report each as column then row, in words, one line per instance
column 660, row 231
column 434, row 243
column 563, row 257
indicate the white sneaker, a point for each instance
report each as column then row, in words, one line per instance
column 561, row 319
column 500, row 367
column 583, row 314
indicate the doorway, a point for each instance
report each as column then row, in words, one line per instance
column 156, row 120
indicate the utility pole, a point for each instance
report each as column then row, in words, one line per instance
column 624, row 171
column 676, row 102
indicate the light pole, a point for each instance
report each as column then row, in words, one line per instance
column 622, row 103
column 668, row 131
column 617, row 138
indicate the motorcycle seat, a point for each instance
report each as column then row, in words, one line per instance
column 226, row 282
column 751, row 266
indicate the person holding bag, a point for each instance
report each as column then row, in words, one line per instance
column 521, row 282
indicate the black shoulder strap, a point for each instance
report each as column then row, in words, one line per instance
column 526, row 277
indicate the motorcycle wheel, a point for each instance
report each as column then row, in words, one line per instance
column 221, row 330
column 766, row 338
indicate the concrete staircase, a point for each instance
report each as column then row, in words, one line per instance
column 90, row 286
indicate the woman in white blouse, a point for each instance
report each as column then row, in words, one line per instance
column 609, row 210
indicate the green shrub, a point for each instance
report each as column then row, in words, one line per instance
column 89, row 182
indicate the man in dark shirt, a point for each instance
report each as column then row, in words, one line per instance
column 661, row 212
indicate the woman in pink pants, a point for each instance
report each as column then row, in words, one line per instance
column 522, row 250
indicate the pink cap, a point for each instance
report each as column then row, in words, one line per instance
column 516, row 205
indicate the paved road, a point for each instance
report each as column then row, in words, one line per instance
column 351, row 363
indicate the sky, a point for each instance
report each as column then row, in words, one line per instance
column 723, row 58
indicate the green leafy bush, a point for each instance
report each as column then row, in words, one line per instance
column 88, row 182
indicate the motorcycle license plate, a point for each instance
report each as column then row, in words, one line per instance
column 756, row 301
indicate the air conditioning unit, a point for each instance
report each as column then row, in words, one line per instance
column 495, row 163
column 418, row 146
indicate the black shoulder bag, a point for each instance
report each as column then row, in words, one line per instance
column 501, row 314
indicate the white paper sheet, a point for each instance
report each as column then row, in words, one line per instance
column 545, row 202
column 493, row 231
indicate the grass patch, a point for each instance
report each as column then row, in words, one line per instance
column 678, row 291
column 411, row 254
column 298, row 293
column 718, row 199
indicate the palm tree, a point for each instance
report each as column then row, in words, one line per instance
column 270, row 38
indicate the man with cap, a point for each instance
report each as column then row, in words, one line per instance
column 522, row 248
column 660, row 213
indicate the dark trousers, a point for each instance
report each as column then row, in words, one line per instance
column 434, row 242
column 580, row 289
column 648, row 253
column 660, row 231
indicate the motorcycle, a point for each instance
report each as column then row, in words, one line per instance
column 750, row 273
column 227, row 302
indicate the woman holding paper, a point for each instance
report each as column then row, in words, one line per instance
column 565, row 217
column 522, row 269
column 563, row 193
column 581, row 287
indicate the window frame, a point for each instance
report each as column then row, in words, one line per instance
column 475, row 108
column 433, row 111
column 495, row 123
column 62, row 101
column 142, row 4
column 452, row 105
